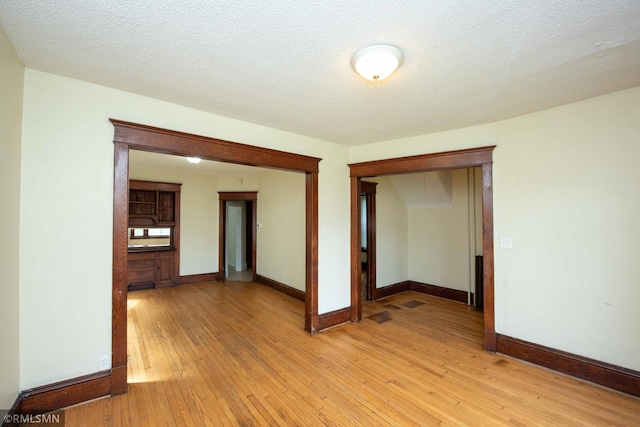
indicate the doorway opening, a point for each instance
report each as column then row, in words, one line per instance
column 476, row 157
column 238, row 233
column 147, row 138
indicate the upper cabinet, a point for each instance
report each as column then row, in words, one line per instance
column 153, row 204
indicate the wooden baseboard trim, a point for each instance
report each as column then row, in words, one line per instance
column 191, row 279
column 391, row 290
column 605, row 374
column 490, row 338
column 333, row 318
column 410, row 285
column 281, row 287
column 439, row 291
column 119, row 383
column 59, row 395
column 16, row 409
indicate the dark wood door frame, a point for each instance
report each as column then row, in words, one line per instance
column 473, row 157
column 369, row 191
column 147, row 138
column 229, row 196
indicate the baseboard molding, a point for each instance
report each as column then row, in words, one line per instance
column 333, row 318
column 59, row 395
column 199, row 278
column 605, row 374
column 391, row 290
column 439, row 291
column 410, row 285
column 281, row 287
column 16, row 409
column 119, row 383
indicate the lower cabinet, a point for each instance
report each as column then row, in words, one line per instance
column 166, row 262
column 151, row 269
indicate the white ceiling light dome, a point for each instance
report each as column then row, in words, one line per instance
column 194, row 160
column 377, row 62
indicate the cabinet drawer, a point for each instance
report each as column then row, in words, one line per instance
column 137, row 276
column 141, row 263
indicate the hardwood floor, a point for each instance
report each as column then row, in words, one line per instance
column 235, row 353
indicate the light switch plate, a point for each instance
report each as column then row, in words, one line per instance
column 506, row 242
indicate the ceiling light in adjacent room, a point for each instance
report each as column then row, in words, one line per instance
column 194, row 160
column 377, row 62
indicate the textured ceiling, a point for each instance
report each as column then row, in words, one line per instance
column 286, row 64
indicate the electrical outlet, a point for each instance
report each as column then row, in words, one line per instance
column 104, row 362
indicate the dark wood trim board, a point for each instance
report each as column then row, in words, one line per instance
column 198, row 278
column 334, row 318
column 16, row 409
column 59, row 395
column 424, row 288
column 158, row 140
column 442, row 292
column 605, row 374
column 281, row 287
column 396, row 288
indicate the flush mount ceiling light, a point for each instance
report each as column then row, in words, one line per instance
column 194, row 160
column 377, row 62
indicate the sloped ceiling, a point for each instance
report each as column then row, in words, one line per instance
column 287, row 64
column 424, row 190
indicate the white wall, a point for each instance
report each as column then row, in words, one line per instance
column 68, row 167
column 281, row 235
column 198, row 216
column 392, row 265
column 11, row 90
column 566, row 190
column 439, row 249
column 239, row 182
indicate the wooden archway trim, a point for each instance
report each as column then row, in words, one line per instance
column 369, row 191
column 473, row 157
column 129, row 135
column 157, row 140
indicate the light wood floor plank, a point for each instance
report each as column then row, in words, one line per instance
column 235, row 354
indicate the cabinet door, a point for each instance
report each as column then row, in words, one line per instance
column 166, row 269
column 166, row 207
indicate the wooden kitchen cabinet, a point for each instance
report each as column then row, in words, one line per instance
column 153, row 261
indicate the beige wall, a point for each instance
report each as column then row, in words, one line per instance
column 566, row 191
column 239, row 182
column 392, row 265
column 281, row 237
column 439, row 243
column 11, row 90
